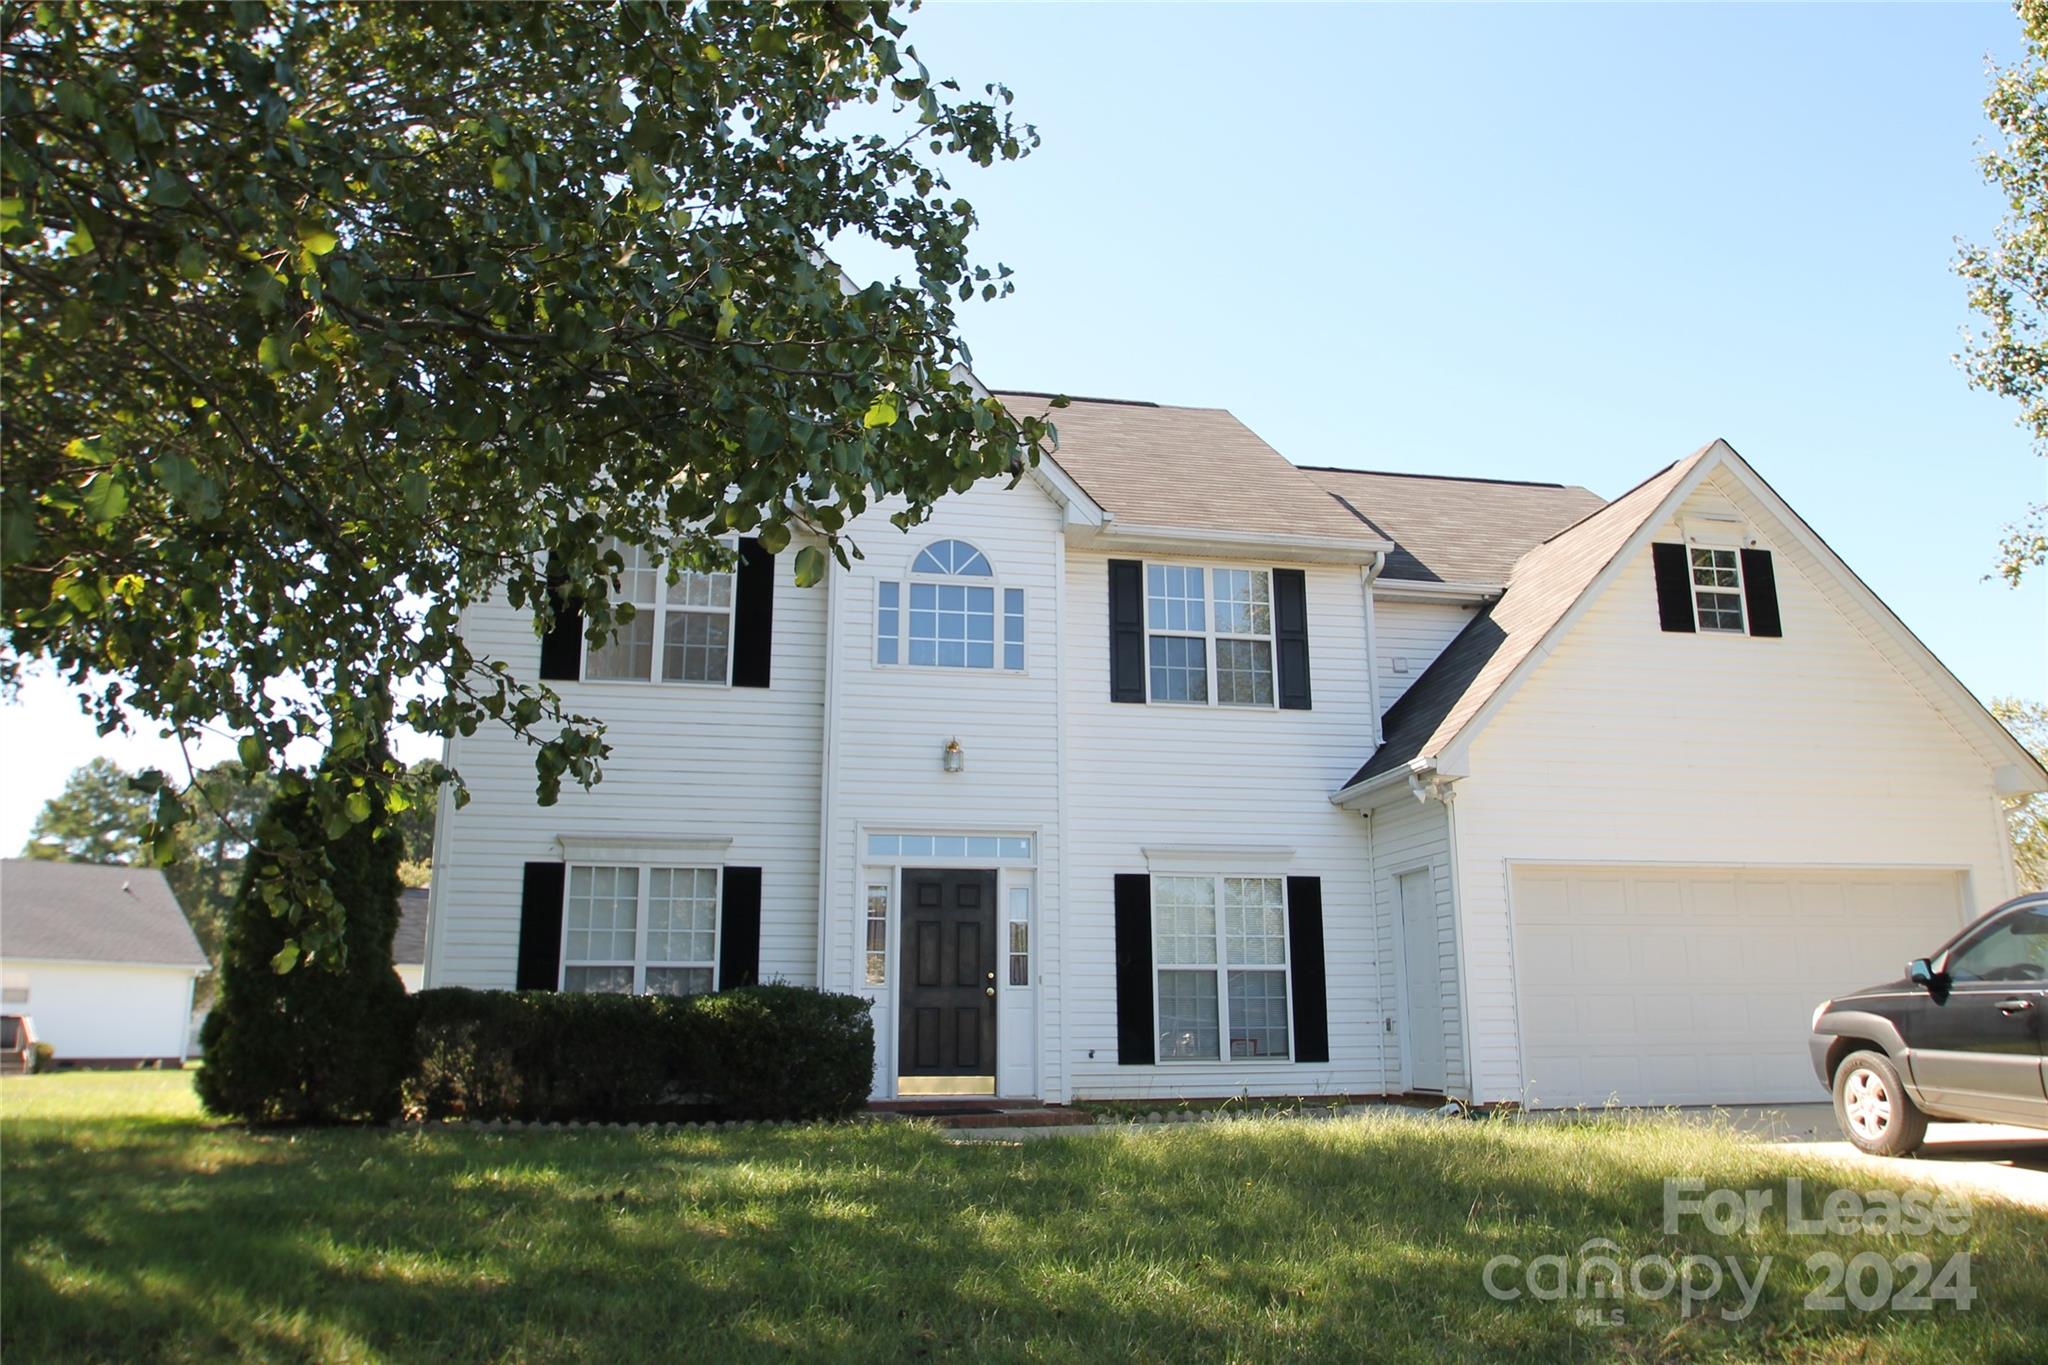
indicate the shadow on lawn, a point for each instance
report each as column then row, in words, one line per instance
column 1262, row 1241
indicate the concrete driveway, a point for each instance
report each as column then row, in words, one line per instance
column 1980, row 1160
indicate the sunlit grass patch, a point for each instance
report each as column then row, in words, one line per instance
column 165, row 1236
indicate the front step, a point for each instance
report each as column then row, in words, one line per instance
column 973, row 1113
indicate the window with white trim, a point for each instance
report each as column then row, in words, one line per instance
column 1020, row 936
column 1209, row 635
column 640, row 930
column 952, row 619
column 678, row 631
column 1220, row 952
column 878, row 933
column 1716, row 589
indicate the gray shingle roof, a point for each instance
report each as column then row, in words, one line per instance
column 1187, row 469
column 1448, row 530
column 1542, row 587
column 84, row 912
column 409, row 946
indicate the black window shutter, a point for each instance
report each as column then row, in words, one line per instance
column 753, row 615
column 1127, row 637
column 1674, row 587
column 1290, row 637
column 540, row 928
column 561, row 649
column 1305, row 953
column 1760, row 593
column 739, row 929
column 1133, row 969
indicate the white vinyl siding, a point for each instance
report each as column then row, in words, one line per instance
column 1820, row 754
column 1409, row 636
column 729, row 763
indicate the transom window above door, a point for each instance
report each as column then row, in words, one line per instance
column 952, row 618
column 679, row 631
column 1209, row 635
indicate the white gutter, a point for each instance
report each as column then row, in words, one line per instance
column 1312, row 548
column 1413, row 590
column 1353, row 796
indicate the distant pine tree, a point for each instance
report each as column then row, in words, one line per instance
column 327, row 1040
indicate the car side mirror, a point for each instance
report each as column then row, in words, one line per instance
column 1923, row 973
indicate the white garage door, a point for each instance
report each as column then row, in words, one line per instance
column 1677, row 986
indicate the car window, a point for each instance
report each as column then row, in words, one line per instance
column 2016, row 950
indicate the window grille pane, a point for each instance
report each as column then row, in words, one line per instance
column 1244, row 602
column 952, row 625
column 602, row 911
column 887, row 623
column 949, row 846
column 1174, row 599
column 1254, row 922
column 640, row 579
column 617, row 980
column 1013, row 629
column 951, row 557
column 1258, row 1014
column 983, row 846
column 1020, row 936
column 1180, row 669
column 1188, row 1028
column 1016, row 848
column 628, row 654
column 679, row 980
column 882, row 845
column 682, row 914
column 1244, row 672
column 1719, row 611
column 1184, row 920
column 695, row 647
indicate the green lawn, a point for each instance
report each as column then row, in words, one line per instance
column 133, row 1229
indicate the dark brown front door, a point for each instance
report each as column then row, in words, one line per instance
column 947, row 1039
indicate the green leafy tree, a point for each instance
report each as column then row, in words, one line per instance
column 326, row 1042
column 2009, row 279
column 2027, row 816
column 321, row 321
column 99, row 817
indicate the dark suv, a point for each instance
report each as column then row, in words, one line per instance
column 1960, row 1036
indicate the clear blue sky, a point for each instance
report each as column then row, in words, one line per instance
column 1567, row 243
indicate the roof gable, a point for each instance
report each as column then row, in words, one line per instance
column 1434, row 723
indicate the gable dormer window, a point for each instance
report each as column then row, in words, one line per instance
column 951, row 620
column 680, row 631
column 1717, row 589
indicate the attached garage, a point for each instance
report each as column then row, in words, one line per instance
column 1697, row 985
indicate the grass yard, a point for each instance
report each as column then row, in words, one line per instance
column 135, row 1230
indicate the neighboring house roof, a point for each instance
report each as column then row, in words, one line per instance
column 1541, row 588
column 1450, row 530
column 409, row 945
column 1188, row 469
column 86, row 912
column 1452, row 698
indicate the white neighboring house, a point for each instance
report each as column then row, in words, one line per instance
column 409, row 944
column 100, row 958
column 1178, row 770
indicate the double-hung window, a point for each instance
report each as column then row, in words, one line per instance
column 641, row 930
column 1717, row 589
column 952, row 618
column 1220, row 950
column 1209, row 635
column 679, row 631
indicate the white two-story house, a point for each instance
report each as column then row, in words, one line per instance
column 1178, row 770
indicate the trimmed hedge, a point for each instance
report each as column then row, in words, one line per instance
column 757, row 1052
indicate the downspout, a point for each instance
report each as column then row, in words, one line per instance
column 1052, row 1022
column 1448, row 795
column 828, row 770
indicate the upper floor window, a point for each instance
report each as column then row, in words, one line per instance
column 680, row 631
column 952, row 619
column 1209, row 634
column 1717, row 589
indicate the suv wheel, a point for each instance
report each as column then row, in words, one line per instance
column 1873, row 1108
